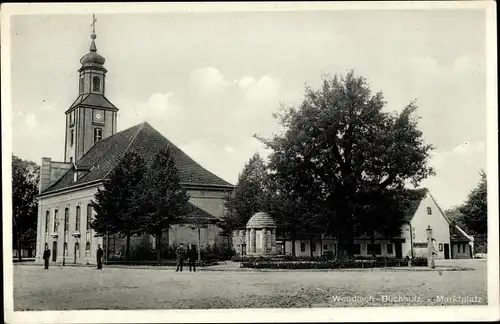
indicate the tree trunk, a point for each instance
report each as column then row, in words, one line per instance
column 321, row 245
column 293, row 247
column 311, row 253
column 374, row 254
column 107, row 247
column 127, row 248
column 284, row 245
column 158, row 246
column 19, row 257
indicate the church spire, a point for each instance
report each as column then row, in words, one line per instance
column 92, row 58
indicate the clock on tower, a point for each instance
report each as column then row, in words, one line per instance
column 98, row 116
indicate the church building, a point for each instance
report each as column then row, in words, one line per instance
column 93, row 147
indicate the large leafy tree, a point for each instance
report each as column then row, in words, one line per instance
column 25, row 178
column 114, row 204
column 248, row 197
column 474, row 212
column 161, row 198
column 339, row 147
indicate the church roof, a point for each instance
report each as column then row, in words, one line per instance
column 144, row 140
column 93, row 100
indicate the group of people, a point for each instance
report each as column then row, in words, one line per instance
column 182, row 254
column 46, row 256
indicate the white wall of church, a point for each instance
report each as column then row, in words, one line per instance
column 53, row 232
column 211, row 201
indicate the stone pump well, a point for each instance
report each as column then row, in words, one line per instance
column 260, row 235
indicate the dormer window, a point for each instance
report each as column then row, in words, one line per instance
column 97, row 134
column 96, row 84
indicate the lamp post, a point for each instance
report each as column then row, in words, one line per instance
column 430, row 248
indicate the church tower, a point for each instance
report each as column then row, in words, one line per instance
column 91, row 117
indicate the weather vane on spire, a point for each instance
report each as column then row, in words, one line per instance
column 93, row 23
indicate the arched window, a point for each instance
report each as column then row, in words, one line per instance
column 56, row 221
column 77, row 222
column 72, row 137
column 96, row 84
column 47, row 220
column 81, row 83
column 89, row 216
column 97, row 134
column 87, row 250
column 66, row 220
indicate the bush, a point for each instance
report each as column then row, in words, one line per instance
column 419, row 261
column 250, row 258
column 318, row 263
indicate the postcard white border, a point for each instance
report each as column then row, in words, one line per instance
column 391, row 314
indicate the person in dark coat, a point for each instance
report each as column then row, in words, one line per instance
column 192, row 256
column 46, row 256
column 99, row 256
column 181, row 255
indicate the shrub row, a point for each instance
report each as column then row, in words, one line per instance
column 247, row 258
column 331, row 264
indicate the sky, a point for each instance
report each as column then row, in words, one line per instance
column 210, row 81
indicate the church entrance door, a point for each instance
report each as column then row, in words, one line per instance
column 77, row 252
column 54, row 251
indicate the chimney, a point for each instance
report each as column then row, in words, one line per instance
column 45, row 174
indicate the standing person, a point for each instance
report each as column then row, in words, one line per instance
column 192, row 256
column 46, row 256
column 99, row 256
column 181, row 254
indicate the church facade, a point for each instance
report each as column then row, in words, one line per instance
column 93, row 147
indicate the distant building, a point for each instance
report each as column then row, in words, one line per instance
column 92, row 149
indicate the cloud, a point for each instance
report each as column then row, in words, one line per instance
column 157, row 109
column 208, row 79
column 245, row 82
column 30, row 121
column 457, row 172
column 265, row 89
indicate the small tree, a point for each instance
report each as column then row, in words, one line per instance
column 162, row 200
column 474, row 212
column 114, row 204
column 248, row 197
column 25, row 178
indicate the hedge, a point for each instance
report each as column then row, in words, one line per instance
column 330, row 264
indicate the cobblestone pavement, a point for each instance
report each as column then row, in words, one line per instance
column 116, row 288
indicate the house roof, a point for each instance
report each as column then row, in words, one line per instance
column 93, row 100
column 144, row 140
column 415, row 197
column 458, row 235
